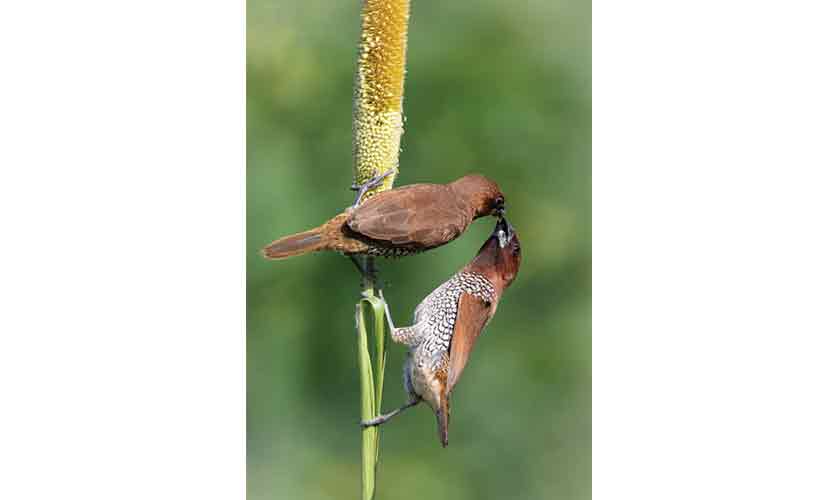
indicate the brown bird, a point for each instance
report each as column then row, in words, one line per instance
column 402, row 221
column 448, row 322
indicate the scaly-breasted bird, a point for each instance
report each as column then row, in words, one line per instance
column 399, row 222
column 448, row 322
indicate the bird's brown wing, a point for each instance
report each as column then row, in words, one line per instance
column 473, row 315
column 417, row 216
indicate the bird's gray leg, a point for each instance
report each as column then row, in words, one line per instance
column 403, row 335
column 387, row 312
column 366, row 267
column 357, row 261
column 381, row 419
column 367, row 186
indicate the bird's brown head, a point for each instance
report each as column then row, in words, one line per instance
column 482, row 194
column 500, row 256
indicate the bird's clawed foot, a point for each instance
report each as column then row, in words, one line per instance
column 381, row 419
column 373, row 422
column 367, row 186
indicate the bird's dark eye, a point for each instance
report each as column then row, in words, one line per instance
column 499, row 201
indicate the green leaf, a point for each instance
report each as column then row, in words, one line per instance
column 371, row 384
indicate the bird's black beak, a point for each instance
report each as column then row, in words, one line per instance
column 503, row 231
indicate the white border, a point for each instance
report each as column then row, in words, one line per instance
column 122, row 198
column 716, row 250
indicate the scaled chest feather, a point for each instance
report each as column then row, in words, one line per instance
column 435, row 317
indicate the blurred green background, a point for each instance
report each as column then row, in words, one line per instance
column 497, row 87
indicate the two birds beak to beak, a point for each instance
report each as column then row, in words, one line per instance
column 504, row 229
column 502, row 225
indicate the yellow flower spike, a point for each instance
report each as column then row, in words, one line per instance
column 378, row 96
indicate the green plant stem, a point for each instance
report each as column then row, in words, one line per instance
column 371, row 374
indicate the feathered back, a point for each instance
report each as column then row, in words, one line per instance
column 423, row 215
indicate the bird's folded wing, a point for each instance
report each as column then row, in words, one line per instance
column 473, row 315
column 419, row 216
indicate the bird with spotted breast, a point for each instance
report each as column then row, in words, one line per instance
column 398, row 222
column 449, row 321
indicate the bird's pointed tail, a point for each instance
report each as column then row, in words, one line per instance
column 442, row 415
column 296, row 244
